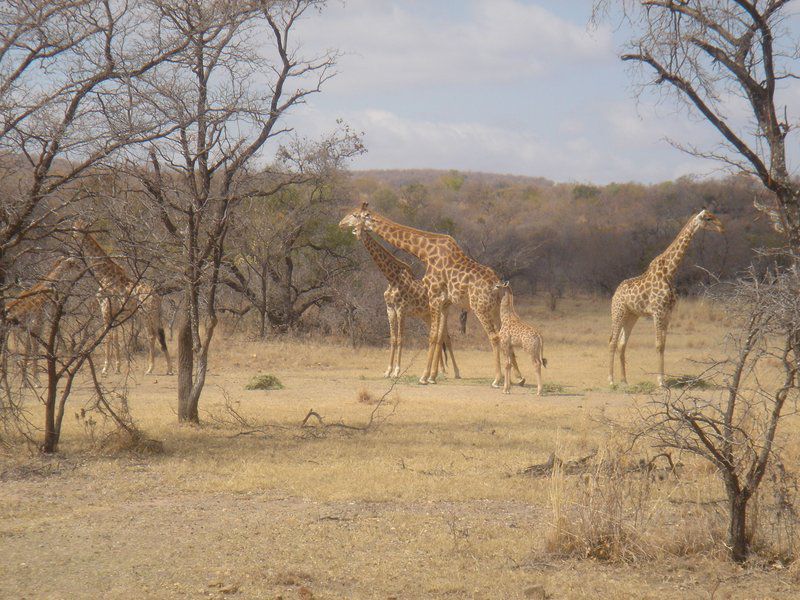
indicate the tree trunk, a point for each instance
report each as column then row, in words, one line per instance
column 51, row 431
column 262, row 323
column 737, row 532
column 187, row 410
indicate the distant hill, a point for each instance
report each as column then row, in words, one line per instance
column 400, row 177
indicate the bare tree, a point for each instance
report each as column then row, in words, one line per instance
column 287, row 254
column 226, row 99
column 706, row 52
column 735, row 429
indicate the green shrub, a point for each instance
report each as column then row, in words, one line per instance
column 264, row 382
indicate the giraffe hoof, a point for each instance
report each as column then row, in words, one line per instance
column 521, row 382
column 457, row 376
column 507, row 392
column 495, row 384
column 423, row 381
column 395, row 373
column 431, row 380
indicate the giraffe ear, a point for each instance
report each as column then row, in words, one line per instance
column 364, row 205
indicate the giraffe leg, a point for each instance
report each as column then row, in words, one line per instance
column 34, row 353
column 391, row 314
column 162, row 339
column 488, row 323
column 660, row 323
column 449, row 342
column 399, row 342
column 440, row 330
column 507, row 350
column 616, row 328
column 117, row 352
column 536, row 356
column 105, row 312
column 520, row 378
column 627, row 326
column 151, row 351
column 433, row 333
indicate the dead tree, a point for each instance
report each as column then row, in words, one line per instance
column 226, row 96
column 734, row 429
column 701, row 51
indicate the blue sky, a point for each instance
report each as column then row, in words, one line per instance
column 507, row 86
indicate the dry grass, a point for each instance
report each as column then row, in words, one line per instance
column 431, row 503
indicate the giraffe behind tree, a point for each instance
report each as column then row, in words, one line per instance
column 27, row 312
column 653, row 294
column 119, row 296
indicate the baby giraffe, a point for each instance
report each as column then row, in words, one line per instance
column 513, row 332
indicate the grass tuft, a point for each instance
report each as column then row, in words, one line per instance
column 643, row 387
column 689, row 382
column 264, row 382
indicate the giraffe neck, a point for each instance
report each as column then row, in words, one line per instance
column 111, row 276
column 666, row 264
column 31, row 300
column 507, row 305
column 391, row 266
column 422, row 244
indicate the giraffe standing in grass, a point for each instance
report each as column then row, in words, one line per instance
column 452, row 278
column 405, row 296
column 120, row 296
column 28, row 313
column 514, row 332
column 653, row 294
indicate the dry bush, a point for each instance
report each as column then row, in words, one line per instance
column 365, row 397
column 623, row 510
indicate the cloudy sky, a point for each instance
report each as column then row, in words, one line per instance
column 508, row 86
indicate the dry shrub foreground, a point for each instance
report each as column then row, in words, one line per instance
column 436, row 499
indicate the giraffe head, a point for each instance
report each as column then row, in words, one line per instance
column 358, row 220
column 707, row 220
column 503, row 290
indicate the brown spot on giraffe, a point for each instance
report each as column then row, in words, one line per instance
column 652, row 294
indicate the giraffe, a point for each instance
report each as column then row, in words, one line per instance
column 116, row 287
column 653, row 294
column 27, row 312
column 404, row 296
column 514, row 332
column 452, row 278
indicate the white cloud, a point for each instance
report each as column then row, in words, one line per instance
column 387, row 45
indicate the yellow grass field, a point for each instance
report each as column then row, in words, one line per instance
column 429, row 502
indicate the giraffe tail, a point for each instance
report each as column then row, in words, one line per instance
column 162, row 339
column 444, row 353
column 541, row 353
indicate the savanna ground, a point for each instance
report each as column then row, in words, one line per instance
column 430, row 502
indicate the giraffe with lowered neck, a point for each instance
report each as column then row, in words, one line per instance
column 452, row 278
column 119, row 296
column 405, row 296
column 653, row 294
column 27, row 312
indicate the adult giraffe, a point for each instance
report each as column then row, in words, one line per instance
column 120, row 295
column 405, row 296
column 653, row 294
column 452, row 278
